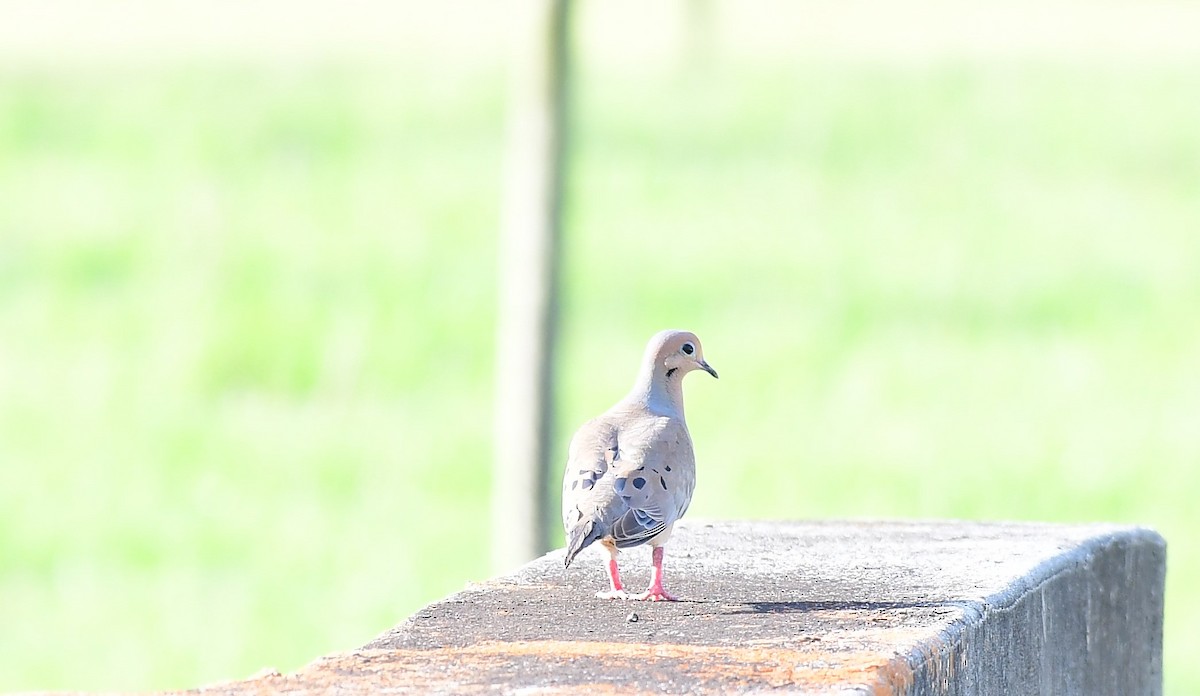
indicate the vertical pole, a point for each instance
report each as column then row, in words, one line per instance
column 529, row 257
column 700, row 36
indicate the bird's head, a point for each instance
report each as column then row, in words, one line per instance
column 679, row 352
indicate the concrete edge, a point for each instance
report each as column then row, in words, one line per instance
column 901, row 671
column 1050, row 568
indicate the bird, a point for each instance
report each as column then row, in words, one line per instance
column 631, row 471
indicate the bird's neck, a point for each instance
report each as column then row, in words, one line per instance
column 661, row 393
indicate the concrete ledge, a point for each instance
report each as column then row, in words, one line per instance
column 814, row 607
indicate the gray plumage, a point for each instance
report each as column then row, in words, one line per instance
column 631, row 471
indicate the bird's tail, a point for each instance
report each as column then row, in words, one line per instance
column 579, row 538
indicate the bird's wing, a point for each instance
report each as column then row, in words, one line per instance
column 628, row 478
column 592, row 451
column 654, row 479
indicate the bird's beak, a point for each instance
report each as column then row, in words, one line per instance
column 708, row 368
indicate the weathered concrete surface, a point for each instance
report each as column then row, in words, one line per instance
column 815, row 607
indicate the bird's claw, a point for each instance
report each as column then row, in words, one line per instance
column 612, row 594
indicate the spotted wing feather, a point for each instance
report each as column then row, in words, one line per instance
column 587, row 484
column 654, row 483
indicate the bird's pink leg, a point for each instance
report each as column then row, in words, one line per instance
column 617, row 590
column 656, row 592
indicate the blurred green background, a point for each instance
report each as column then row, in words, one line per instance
column 946, row 257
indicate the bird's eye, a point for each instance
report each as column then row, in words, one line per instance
column 688, row 349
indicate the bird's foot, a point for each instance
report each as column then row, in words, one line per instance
column 656, row 594
column 612, row 594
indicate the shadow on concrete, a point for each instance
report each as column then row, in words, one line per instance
column 818, row 606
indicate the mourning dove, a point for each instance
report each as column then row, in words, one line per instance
column 631, row 472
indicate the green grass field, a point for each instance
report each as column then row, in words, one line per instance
column 246, row 320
